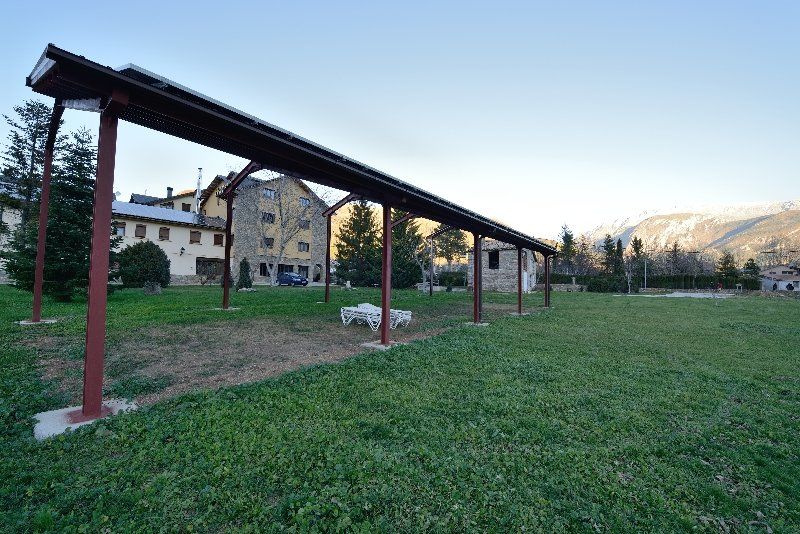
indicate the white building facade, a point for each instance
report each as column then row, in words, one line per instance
column 10, row 217
column 193, row 243
column 781, row 278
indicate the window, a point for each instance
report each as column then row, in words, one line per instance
column 303, row 247
column 141, row 230
column 186, row 207
column 285, row 268
column 305, row 202
column 269, row 242
column 210, row 267
column 269, row 193
column 267, row 217
column 163, row 234
column 219, row 239
column 119, row 229
column 494, row 259
column 262, row 269
column 302, row 270
column 304, row 224
column 168, row 205
column 194, row 236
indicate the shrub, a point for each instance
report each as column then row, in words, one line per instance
column 607, row 284
column 244, row 281
column 452, row 278
column 143, row 262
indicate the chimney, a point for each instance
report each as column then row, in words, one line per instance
column 199, row 190
column 169, row 192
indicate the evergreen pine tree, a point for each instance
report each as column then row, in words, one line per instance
column 23, row 157
column 244, row 281
column 619, row 260
column 637, row 252
column 69, row 225
column 358, row 253
column 408, row 259
column 637, row 246
column 726, row 267
column 609, row 254
column 566, row 254
column 751, row 268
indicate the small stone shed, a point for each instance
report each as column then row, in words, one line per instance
column 500, row 267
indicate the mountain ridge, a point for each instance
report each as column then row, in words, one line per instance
column 743, row 229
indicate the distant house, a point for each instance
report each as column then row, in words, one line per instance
column 10, row 217
column 194, row 243
column 781, row 278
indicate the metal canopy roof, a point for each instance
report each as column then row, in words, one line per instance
column 160, row 104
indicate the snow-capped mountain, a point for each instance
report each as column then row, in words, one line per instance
column 744, row 229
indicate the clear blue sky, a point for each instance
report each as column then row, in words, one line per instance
column 533, row 113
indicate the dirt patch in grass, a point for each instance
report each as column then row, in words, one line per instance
column 225, row 354
column 154, row 363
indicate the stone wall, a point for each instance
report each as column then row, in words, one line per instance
column 504, row 278
column 188, row 280
column 569, row 288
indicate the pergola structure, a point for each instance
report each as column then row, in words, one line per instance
column 136, row 95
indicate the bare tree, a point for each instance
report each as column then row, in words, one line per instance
column 630, row 264
column 422, row 256
column 293, row 213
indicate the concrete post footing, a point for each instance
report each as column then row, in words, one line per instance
column 34, row 323
column 56, row 422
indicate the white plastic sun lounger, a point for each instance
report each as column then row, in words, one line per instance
column 371, row 315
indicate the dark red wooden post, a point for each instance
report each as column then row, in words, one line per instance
column 477, row 254
column 328, row 214
column 519, row 280
column 98, row 259
column 480, row 280
column 547, row 281
column 386, row 274
column 328, row 261
column 229, row 194
column 430, row 276
column 44, row 206
column 226, row 272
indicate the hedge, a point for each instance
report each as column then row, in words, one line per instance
column 602, row 283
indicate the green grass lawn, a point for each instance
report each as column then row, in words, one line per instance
column 604, row 413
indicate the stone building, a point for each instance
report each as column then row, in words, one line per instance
column 500, row 267
column 277, row 225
